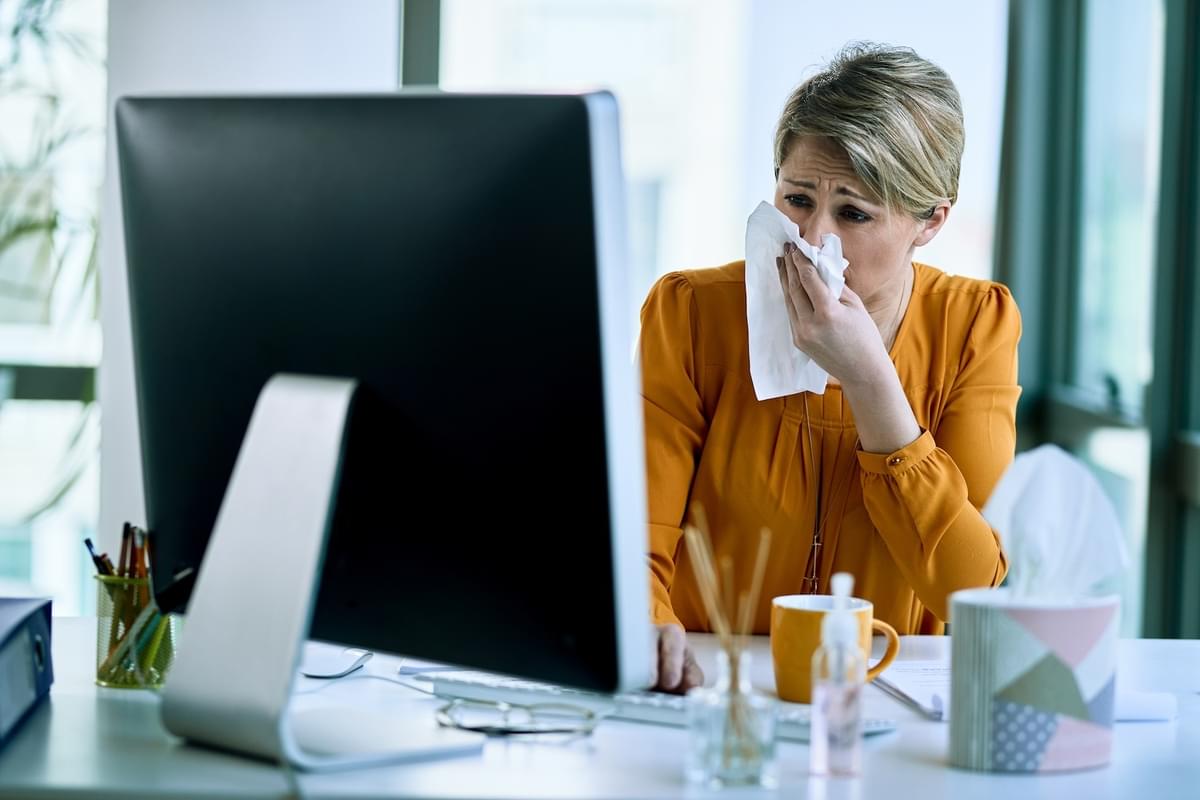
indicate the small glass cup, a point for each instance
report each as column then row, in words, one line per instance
column 731, row 730
column 135, row 643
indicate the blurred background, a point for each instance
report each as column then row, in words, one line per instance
column 1080, row 189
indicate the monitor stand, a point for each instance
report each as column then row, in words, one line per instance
column 250, row 610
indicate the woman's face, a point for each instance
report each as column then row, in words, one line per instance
column 819, row 191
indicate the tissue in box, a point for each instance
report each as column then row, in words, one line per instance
column 1032, row 681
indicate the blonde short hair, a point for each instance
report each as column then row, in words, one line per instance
column 897, row 116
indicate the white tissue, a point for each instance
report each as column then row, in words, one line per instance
column 1057, row 525
column 777, row 367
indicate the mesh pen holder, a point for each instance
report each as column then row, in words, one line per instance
column 135, row 644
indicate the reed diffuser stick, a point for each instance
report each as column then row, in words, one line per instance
column 760, row 569
column 731, row 615
column 728, row 594
column 706, row 580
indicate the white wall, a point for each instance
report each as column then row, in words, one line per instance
column 212, row 46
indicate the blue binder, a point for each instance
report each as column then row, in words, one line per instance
column 25, row 668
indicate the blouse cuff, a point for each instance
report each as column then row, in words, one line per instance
column 899, row 461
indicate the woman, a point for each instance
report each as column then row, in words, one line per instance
column 918, row 422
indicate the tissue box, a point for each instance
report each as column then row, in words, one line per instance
column 1033, row 682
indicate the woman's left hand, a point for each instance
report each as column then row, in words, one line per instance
column 836, row 332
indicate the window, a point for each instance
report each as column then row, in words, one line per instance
column 52, row 94
column 1122, row 116
column 1111, row 351
column 1100, row 128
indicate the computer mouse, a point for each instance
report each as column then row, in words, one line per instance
column 331, row 663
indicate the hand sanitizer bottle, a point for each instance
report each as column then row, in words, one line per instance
column 839, row 673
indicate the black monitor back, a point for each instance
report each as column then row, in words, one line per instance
column 442, row 251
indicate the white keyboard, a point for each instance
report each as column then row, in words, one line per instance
column 652, row 707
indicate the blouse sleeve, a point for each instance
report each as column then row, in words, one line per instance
column 675, row 425
column 925, row 498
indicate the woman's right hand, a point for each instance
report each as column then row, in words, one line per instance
column 677, row 669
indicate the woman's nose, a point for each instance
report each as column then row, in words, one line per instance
column 818, row 225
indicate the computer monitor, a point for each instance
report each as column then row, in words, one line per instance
column 463, row 258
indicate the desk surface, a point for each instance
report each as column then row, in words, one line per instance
column 96, row 742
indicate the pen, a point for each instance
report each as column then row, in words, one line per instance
column 135, row 553
column 132, row 633
column 125, row 546
column 151, row 653
column 147, row 632
column 139, row 563
column 129, row 596
column 932, row 714
column 103, row 565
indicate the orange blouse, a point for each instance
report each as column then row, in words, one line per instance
column 905, row 524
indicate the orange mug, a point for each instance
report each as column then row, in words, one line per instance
column 796, row 635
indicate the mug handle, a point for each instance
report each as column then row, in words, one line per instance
column 893, row 648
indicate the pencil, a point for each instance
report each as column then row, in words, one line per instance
column 139, row 565
column 126, row 540
column 152, row 651
column 127, row 641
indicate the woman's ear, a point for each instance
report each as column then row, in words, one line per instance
column 932, row 224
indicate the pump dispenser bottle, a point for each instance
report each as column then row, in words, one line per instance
column 839, row 673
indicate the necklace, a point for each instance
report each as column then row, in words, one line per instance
column 812, row 570
column 894, row 327
column 811, row 583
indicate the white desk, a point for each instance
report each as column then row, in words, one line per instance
column 95, row 742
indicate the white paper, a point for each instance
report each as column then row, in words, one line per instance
column 927, row 683
column 1134, row 706
column 777, row 367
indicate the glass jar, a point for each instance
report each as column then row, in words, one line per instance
column 731, row 729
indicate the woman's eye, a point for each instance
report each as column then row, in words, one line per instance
column 854, row 215
column 798, row 200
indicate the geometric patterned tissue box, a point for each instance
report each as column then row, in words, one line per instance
column 1032, row 683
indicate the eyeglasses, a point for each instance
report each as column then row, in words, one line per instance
column 506, row 719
